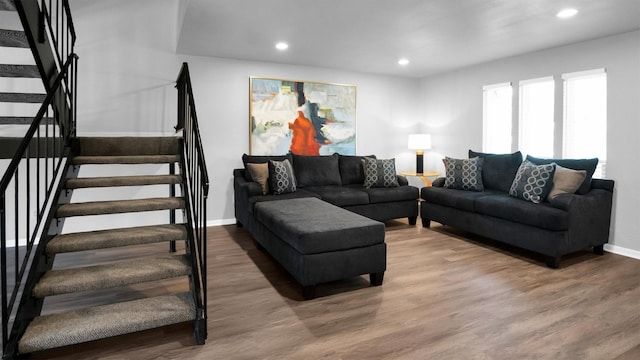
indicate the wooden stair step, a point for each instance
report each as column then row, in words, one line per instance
column 132, row 159
column 22, row 120
column 71, row 280
column 112, row 181
column 78, row 326
column 105, row 239
column 119, row 206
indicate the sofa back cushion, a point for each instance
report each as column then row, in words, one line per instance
column 498, row 170
column 589, row 165
column 351, row 169
column 317, row 170
column 260, row 159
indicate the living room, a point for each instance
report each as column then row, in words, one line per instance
column 129, row 52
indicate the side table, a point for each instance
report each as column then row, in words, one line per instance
column 424, row 175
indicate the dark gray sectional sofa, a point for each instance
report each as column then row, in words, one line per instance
column 566, row 224
column 328, row 228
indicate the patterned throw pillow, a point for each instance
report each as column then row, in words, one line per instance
column 463, row 174
column 379, row 173
column 281, row 178
column 533, row 182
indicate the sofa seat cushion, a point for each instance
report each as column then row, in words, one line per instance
column 300, row 194
column 459, row 199
column 313, row 226
column 392, row 194
column 517, row 210
column 341, row 195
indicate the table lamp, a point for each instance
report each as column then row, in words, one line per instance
column 419, row 143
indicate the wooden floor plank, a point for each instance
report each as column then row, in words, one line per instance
column 446, row 295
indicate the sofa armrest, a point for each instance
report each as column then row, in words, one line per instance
column 242, row 191
column 402, row 180
column 589, row 217
column 439, row 182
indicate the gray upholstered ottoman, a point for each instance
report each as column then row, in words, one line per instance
column 318, row 242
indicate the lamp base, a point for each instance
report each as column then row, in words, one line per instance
column 419, row 162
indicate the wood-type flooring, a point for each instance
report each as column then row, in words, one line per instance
column 446, row 295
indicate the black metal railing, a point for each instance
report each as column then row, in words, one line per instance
column 28, row 185
column 196, row 190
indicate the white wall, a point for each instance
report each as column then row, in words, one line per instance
column 128, row 67
column 452, row 112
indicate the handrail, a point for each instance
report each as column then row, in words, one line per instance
column 194, row 169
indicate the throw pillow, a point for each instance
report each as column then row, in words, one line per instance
column 532, row 182
column 260, row 174
column 498, row 170
column 566, row 181
column 463, row 174
column 589, row 165
column 351, row 169
column 260, row 159
column 316, row 170
column 379, row 173
column 281, row 179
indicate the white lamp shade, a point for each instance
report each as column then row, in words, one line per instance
column 419, row 141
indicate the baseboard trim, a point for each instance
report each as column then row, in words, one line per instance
column 221, row 222
column 619, row 250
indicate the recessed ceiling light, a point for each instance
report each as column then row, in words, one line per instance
column 567, row 13
column 282, row 46
column 403, row 61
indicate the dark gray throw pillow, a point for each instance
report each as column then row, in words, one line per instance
column 380, row 173
column 463, row 174
column 498, row 170
column 533, row 182
column 281, row 177
column 589, row 165
column 316, row 170
column 351, row 169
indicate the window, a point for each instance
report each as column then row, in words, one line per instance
column 585, row 117
column 496, row 118
column 536, row 117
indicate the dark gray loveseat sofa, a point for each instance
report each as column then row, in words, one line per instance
column 566, row 224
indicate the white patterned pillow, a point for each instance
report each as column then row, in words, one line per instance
column 533, row 182
column 463, row 174
column 379, row 173
column 281, row 177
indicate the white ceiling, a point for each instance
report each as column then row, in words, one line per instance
column 371, row 35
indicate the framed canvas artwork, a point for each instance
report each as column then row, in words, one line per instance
column 306, row 118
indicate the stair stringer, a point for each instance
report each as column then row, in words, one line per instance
column 29, row 306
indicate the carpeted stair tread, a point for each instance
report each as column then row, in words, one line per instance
column 22, row 120
column 126, row 145
column 7, row 5
column 13, row 38
column 126, row 159
column 104, row 239
column 56, row 330
column 12, row 97
column 19, row 71
column 64, row 281
column 119, row 206
column 112, row 181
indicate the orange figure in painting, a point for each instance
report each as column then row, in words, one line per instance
column 303, row 141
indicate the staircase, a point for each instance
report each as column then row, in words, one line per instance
column 56, row 180
column 87, row 324
column 21, row 88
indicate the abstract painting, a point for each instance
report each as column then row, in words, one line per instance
column 301, row 117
